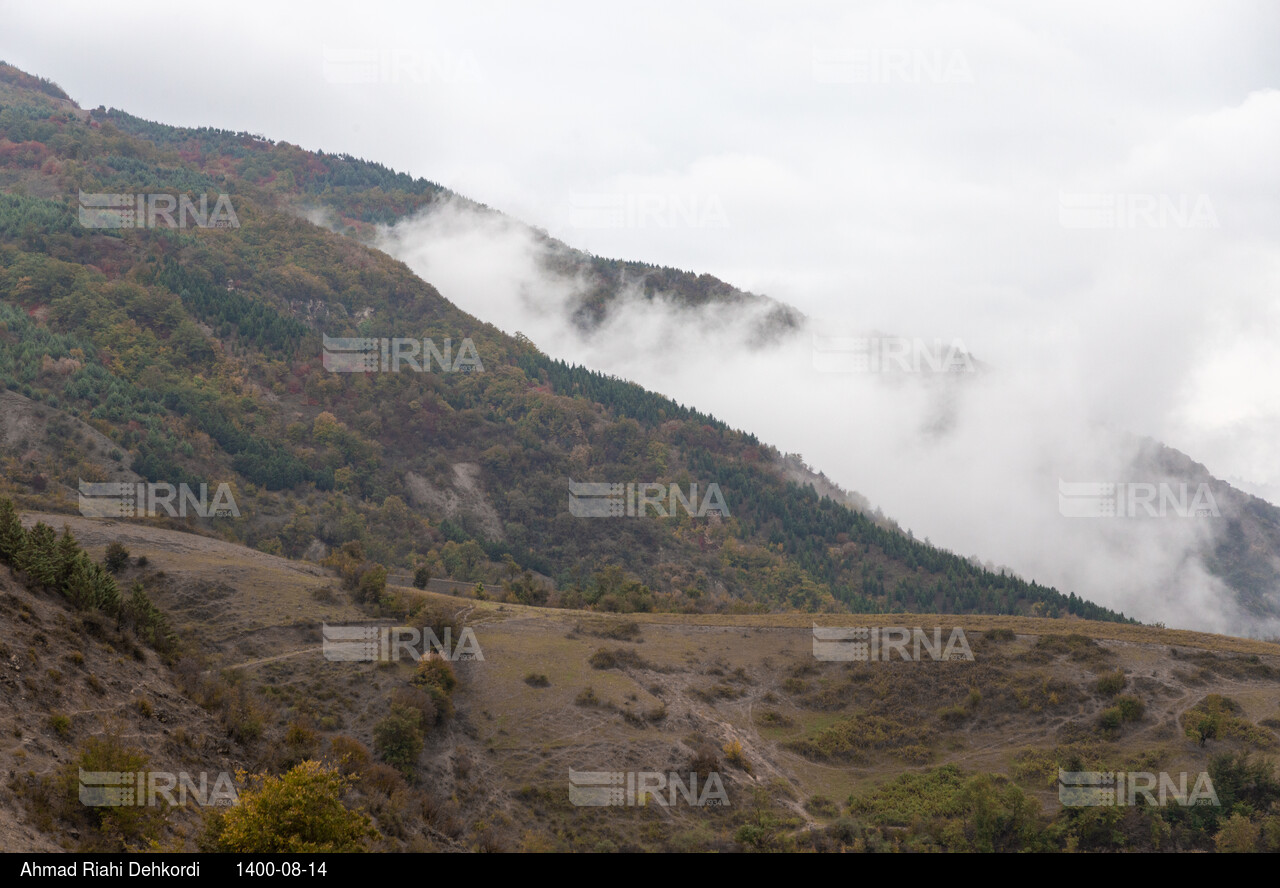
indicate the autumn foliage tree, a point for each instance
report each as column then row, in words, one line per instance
column 301, row 811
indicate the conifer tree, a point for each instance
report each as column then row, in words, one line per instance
column 40, row 556
column 79, row 585
column 106, row 594
column 13, row 536
column 69, row 553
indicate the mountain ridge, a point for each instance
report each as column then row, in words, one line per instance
column 249, row 400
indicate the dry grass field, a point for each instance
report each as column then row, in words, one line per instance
column 559, row 690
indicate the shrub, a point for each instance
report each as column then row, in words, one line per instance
column 382, row 779
column 372, row 584
column 914, row 753
column 110, row 827
column 298, row 812
column 1238, row 835
column 1131, row 708
column 618, row 658
column 271, row 546
column 1110, row 684
column 419, row 701
column 845, row 831
column 1217, row 716
column 704, row 760
column 348, row 560
column 733, row 755
column 850, row 738
column 350, row 755
column 398, row 738
column 61, row 725
column 716, row 692
column 441, row 700
column 624, row 631
column 1202, row 726
column 301, row 739
column 773, row 717
column 116, row 558
column 537, row 680
column 435, row 672
column 241, row 716
column 587, row 697
column 1080, row 648
column 821, row 806
column 441, row 623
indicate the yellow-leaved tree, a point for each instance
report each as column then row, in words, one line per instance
column 298, row 811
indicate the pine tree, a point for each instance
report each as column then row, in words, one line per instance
column 106, row 594
column 69, row 553
column 79, row 585
column 13, row 536
column 149, row 623
column 40, row 556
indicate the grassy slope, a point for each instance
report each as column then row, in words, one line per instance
column 504, row 760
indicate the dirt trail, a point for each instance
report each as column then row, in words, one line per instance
column 248, row 663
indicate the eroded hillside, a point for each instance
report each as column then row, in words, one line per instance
column 808, row 750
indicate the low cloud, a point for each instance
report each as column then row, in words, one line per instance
column 971, row 461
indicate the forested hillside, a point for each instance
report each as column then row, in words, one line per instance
column 197, row 353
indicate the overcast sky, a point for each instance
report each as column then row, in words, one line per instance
column 1086, row 195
